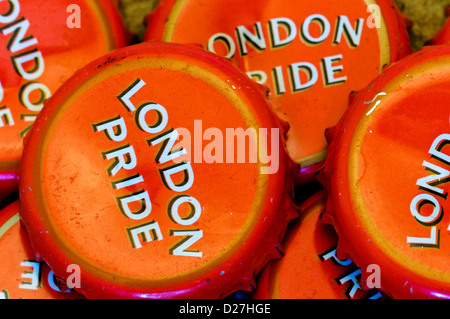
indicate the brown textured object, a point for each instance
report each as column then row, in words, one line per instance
column 134, row 12
column 427, row 16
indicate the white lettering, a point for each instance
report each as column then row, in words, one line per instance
column 125, row 97
column 344, row 27
column 114, row 129
column 194, row 214
column 181, row 249
column 18, row 41
column 32, row 275
column 310, row 69
column 33, row 73
column 145, row 205
column 6, row 117
column 330, row 70
column 441, row 174
column 166, row 153
column 324, row 23
column 187, row 181
column 159, row 125
column 257, row 39
column 291, row 30
column 124, row 157
column 28, row 89
column 225, row 38
column 12, row 13
column 418, row 202
column 149, row 232
column 353, row 277
column 436, row 147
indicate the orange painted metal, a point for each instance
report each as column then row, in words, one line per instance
column 42, row 43
column 21, row 276
column 387, row 176
column 310, row 54
column 310, row 268
column 106, row 184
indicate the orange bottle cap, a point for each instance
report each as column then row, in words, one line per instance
column 310, row 54
column 20, row 275
column 107, row 181
column 387, row 176
column 39, row 50
column 310, row 268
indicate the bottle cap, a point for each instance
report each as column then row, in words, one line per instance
column 310, row 54
column 386, row 175
column 39, row 50
column 310, row 268
column 107, row 181
column 21, row 276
